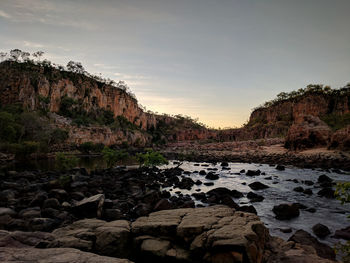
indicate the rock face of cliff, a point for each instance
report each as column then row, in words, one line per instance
column 39, row 87
column 29, row 84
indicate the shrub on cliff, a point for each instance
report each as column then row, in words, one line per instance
column 151, row 159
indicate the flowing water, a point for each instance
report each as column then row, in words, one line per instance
column 329, row 212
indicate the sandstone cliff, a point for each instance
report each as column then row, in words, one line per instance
column 40, row 87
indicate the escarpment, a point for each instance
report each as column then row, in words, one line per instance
column 34, row 85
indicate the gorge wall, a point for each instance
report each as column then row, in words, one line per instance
column 38, row 87
column 45, row 87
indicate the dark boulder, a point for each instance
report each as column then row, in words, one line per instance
column 343, row 233
column 258, row 186
column 326, row 192
column 224, row 164
column 253, row 197
column 253, row 173
column 247, row 209
column 89, row 207
column 212, row 176
column 280, row 167
column 321, row 231
column 286, row 211
column 298, row 189
column 324, row 179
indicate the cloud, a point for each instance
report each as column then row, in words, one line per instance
column 32, row 44
column 4, row 14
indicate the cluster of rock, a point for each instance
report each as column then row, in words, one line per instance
column 210, row 234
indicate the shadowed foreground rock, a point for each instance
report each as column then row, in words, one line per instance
column 53, row 255
column 210, row 234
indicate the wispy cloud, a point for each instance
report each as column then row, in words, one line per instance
column 32, row 44
column 3, row 14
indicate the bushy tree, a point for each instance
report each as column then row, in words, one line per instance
column 65, row 162
column 151, row 159
column 75, row 67
column 112, row 156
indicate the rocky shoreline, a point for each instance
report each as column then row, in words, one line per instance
column 251, row 152
column 123, row 213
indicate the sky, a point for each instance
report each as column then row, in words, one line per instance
column 211, row 60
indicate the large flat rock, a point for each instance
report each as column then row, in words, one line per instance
column 53, row 255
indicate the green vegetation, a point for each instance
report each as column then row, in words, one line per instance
column 90, row 147
column 342, row 193
column 112, row 156
column 151, row 158
column 24, row 133
column 310, row 89
column 64, row 162
column 336, row 121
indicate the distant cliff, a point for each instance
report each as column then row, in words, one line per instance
column 108, row 112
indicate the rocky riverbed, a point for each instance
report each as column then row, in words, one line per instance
column 289, row 201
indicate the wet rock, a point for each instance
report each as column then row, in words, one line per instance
column 253, row 197
column 242, row 171
column 89, row 207
column 324, row 179
column 202, row 172
column 298, row 189
column 43, row 224
column 253, row 173
column 185, row 183
column 321, row 231
column 198, row 182
column 112, row 214
column 308, row 191
column 280, row 167
column 343, row 233
column 258, row 186
column 326, row 192
column 286, row 230
column 59, row 194
column 286, row 211
column 7, row 211
column 311, row 210
column 39, row 199
column 54, row 255
column 30, row 212
column 199, row 196
column 162, row 204
column 308, row 182
column 248, row 209
column 224, row 164
column 212, row 176
column 305, row 238
column 51, row 203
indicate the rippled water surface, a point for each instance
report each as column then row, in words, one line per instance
column 328, row 211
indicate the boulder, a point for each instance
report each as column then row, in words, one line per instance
column 53, row 255
column 286, row 211
column 257, row 186
column 253, row 197
column 321, row 231
column 253, row 172
column 327, row 192
column 212, row 176
column 305, row 238
column 280, row 167
column 308, row 132
column 343, row 233
column 341, row 139
column 89, row 207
